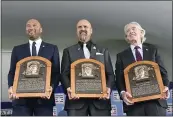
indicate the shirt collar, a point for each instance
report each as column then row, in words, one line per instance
column 133, row 47
column 37, row 41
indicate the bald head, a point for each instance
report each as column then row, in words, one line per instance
column 84, row 30
column 33, row 29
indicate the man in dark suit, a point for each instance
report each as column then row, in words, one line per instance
column 135, row 35
column 35, row 47
column 85, row 48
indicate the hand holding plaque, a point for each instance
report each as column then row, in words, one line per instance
column 143, row 81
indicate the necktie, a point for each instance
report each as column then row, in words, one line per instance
column 86, row 51
column 34, row 49
column 137, row 53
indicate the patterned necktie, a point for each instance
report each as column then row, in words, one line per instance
column 34, row 49
column 86, row 51
column 137, row 53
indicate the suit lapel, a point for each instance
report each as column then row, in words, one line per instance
column 93, row 52
column 27, row 49
column 130, row 55
column 145, row 53
column 80, row 53
column 42, row 46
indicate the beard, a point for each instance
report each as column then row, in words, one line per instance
column 33, row 36
column 83, row 36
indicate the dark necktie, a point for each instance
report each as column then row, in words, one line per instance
column 137, row 53
column 34, row 49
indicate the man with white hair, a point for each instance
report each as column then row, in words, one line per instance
column 135, row 36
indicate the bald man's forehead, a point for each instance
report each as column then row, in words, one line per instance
column 33, row 21
column 84, row 22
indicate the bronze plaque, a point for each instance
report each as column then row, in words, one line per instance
column 143, row 81
column 88, row 78
column 32, row 77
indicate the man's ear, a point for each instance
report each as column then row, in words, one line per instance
column 142, row 32
column 91, row 30
column 41, row 30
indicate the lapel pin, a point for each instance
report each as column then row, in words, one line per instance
column 43, row 46
column 146, row 49
column 94, row 47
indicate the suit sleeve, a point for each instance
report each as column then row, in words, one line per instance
column 65, row 70
column 110, row 77
column 55, row 76
column 12, row 68
column 163, row 71
column 119, row 71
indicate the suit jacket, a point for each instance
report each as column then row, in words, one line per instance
column 74, row 53
column 47, row 51
column 126, row 58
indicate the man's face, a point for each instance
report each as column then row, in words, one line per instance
column 88, row 70
column 33, row 68
column 84, row 30
column 134, row 34
column 33, row 29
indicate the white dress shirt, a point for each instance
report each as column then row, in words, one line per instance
column 139, row 49
column 86, row 51
column 38, row 44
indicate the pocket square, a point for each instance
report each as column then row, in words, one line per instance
column 97, row 53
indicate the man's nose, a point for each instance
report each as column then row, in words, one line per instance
column 82, row 28
column 30, row 29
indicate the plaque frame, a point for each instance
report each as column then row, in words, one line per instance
column 103, row 79
column 48, row 77
column 158, row 78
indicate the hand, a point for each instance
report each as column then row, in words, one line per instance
column 107, row 96
column 48, row 93
column 11, row 95
column 70, row 96
column 166, row 93
column 126, row 98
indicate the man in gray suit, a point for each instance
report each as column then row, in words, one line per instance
column 85, row 48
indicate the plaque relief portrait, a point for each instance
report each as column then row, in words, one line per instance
column 87, row 70
column 32, row 69
column 141, row 73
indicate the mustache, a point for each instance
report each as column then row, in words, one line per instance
column 132, row 34
column 83, row 31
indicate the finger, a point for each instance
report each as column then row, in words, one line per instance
column 69, row 96
column 128, row 100
column 165, row 90
column 76, row 97
column 128, row 95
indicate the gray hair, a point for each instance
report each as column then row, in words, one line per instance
column 143, row 38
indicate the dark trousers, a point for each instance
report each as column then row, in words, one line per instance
column 89, row 109
column 148, row 108
column 19, row 110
